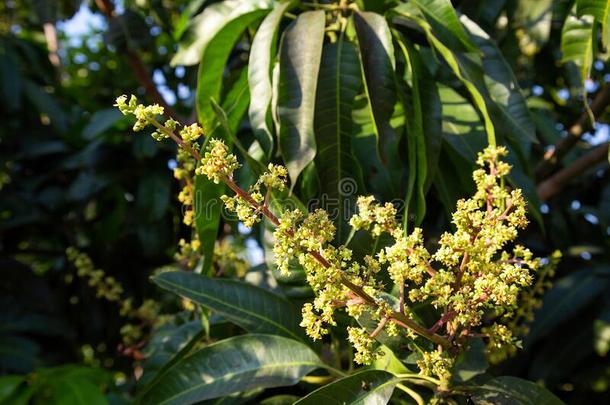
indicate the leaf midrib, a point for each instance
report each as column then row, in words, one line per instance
column 253, row 314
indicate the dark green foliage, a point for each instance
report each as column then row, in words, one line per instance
column 393, row 99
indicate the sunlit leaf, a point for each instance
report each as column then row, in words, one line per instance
column 339, row 172
column 233, row 365
column 600, row 9
column 443, row 18
column 204, row 27
column 257, row 310
column 378, row 63
column 300, row 55
column 212, row 65
column 371, row 387
column 577, row 43
column 260, row 68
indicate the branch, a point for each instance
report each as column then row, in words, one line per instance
column 561, row 148
column 139, row 69
column 50, row 35
column 555, row 183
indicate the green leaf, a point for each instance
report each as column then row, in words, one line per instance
column 442, row 17
column 170, row 342
column 212, row 65
column 73, row 384
column 101, row 121
column 9, row 385
column 513, row 391
column 503, row 89
column 255, row 309
column 206, row 25
column 577, row 43
column 10, row 77
column 567, row 296
column 233, row 365
column 46, row 104
column 416, row 145
column 457, row 65
column 280, row 400
column 431, row 108
column 260, row 67
column 185, row 16
column 389, row 362
column 339, row 173
column 600, row 9
column 463, row 135
column 369, row 387
column 207, row 193
column 77, row 391
column 377, row 58
column 364, row 141
column 300, row 56
column 471, row 362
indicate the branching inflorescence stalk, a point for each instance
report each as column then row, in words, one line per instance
column 477, row 276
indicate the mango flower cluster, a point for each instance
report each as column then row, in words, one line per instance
column 472, row 273
column 274, row 178
column 217, row 162
column 474, row 278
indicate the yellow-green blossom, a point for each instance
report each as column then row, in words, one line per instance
column 217, row 161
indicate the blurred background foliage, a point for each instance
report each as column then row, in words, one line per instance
column 71, row 175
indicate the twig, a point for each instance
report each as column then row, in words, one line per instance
column 379, row 327
column 401, row 299
column 555, row 183
column 138, row 67
column 561, row 148
column 50, row 34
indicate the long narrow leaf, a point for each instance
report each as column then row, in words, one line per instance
column 503, row 88
column 260, row 66
column 233, row 365
column 212, row 65
column 339, row 172
column 371, row 387
column 206, row 25
column 300, row 55
column 577, row 42
column 378, row 63
column 418, row 166
column 255, row 309
column 457, row 68
column 600, row 9
column 443, row 17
